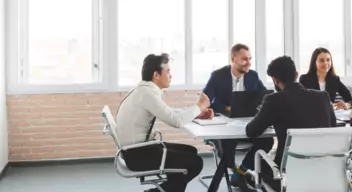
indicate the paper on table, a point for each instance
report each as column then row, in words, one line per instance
column 342, row 114
column 240, row 122
column 214, row 121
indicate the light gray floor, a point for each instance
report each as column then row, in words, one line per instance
column 88, row 177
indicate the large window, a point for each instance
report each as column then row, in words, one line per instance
column 244, row 25
column 146, row 27
column 99, row 45
column 321, row 24
column 57, row 42
column 210, row 38
column 274, row 25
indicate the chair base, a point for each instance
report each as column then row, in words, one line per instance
column 265, row 186
column 204, row 177
column 155, row 182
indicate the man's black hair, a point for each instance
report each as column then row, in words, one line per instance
column 283, row 69
column 153, row 63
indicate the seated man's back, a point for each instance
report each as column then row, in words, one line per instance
column 294, row 107
column 135, row 119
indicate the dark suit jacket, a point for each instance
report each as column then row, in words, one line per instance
column 219, row 87
column 333, row 85
column 294, row 107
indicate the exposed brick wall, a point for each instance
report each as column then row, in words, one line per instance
column 52, row 126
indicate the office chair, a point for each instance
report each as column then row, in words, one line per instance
column 313, row 160
column 119, row 163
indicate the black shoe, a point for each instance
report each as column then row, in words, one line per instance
column 234, row 182
column 243, row 183
column 152, row 190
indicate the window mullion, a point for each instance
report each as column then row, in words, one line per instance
column 230, row 29
column 23, row 31
column 188, row 43
column 292, row 39
column 347, row 36
column 96, row 64
column 109, row 48
column 260, row 38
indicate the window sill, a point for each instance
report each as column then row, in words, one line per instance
column 82, row 88
column 103, row 88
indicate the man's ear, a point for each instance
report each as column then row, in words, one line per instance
column 296, row 76
column 155, row 75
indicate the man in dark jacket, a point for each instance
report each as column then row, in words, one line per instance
column 293, row 106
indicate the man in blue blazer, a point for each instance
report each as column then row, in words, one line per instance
column 234, row 77
column 219, row 88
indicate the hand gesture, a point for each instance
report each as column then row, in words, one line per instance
column 341, row 105
column 203, row 102
column 206, row 114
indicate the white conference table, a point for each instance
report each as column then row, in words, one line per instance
column 235, row 128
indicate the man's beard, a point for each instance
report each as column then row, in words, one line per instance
column 277, row 88
column 241, row 71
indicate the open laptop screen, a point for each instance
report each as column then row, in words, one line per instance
column 246, row 103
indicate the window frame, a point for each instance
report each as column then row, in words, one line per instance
column 105, row 46
column 17, row 52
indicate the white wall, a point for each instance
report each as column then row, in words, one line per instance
column 3, row 115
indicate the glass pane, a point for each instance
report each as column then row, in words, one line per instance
column 274, row 29
column 146, row 27
column 60, row 42
column 244, row 25
column 321, row 24
column 274, row 14
column 210, row 38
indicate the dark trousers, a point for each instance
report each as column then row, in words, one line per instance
column 227, row 146
column 178, row 156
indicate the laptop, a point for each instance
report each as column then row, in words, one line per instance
column 247, row 103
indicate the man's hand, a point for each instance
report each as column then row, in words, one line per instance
column 228, row 108
column 342, row 105
column 203, row 102
column 206, row 114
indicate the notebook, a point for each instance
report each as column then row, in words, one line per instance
column 214, row 121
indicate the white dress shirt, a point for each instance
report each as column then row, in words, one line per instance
column 140, row 107
column 237, row 83
column 322, row 86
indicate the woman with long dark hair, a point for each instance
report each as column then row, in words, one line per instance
column 321, row 76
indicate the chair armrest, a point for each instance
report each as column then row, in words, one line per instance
column 163, row 157
column 106, row 130
column 125, row 148
column 259, row 155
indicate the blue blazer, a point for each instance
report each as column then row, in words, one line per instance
column 219, row 87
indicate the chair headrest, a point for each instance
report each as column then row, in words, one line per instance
column 320, row 131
